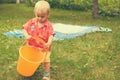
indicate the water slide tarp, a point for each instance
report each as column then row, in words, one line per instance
column 64, row 31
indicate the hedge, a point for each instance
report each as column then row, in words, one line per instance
column 106, row 7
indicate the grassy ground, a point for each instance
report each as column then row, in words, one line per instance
column 94, row 56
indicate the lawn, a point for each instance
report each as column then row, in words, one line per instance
column 94, row 56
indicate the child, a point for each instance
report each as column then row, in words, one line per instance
column 40, row 28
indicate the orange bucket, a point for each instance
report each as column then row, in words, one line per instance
column 29, row 60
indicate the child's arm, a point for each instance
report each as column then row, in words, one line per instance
column 27, row 36
column 50, row 40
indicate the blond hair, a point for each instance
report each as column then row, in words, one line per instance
column 42, row 7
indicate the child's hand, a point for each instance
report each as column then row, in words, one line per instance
column 28, row 37
column 47, row 45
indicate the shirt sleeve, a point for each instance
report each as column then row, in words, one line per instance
column 26, row 25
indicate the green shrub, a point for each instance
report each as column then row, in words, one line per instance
column 109, row 7
column 7, row 1
column 31, row 2
column 71, row 4
column 106, row 7
column 54, row 3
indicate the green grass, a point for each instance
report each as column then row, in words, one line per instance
column 94, row 56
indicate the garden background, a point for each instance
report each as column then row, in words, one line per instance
column 93, row 56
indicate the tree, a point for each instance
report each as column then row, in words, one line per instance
column 95, row 9
column 17, row 1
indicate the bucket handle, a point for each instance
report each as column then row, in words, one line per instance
column 39, row 40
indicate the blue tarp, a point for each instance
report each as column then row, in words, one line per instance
column 64, row 31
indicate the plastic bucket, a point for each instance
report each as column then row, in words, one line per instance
column 29, row 60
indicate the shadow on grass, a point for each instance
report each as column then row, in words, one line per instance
column 36, row 76
column 12, row 74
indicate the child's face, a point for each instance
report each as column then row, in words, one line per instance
column 41, row 10
column 41, row 17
